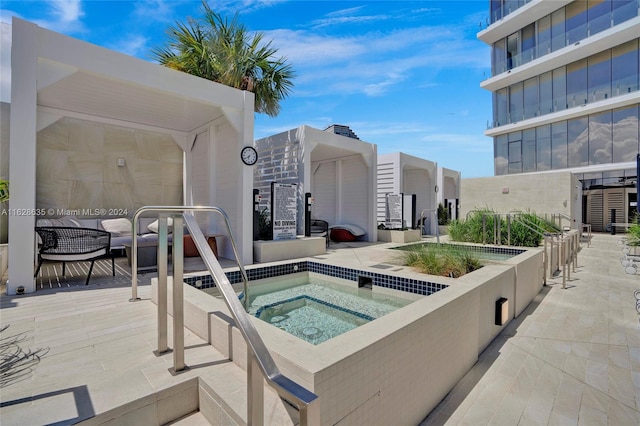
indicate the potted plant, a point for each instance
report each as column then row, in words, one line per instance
column 443, row 219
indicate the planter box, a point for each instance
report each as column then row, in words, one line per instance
column 271, row 251
column 391, row 236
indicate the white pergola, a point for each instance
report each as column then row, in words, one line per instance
column 55, row 76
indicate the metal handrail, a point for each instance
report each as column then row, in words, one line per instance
column 421, row 220
column 560, row 216
column 258, row 354
column 179, row 209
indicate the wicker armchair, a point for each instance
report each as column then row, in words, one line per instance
column 72, row 244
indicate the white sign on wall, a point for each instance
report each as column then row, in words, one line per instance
column 284, row 210
column 394, row 211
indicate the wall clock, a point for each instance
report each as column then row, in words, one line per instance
column 249, row 155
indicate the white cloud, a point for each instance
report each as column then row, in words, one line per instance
column 65, row 17
column 347, row 20
column 240, row 6
column 374, row 63
column 458, row 142
column 156, row 10
column 134, row 45
column 69, row 11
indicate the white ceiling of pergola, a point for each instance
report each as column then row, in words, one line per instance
column 100, row 96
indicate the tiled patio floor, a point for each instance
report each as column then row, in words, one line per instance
column 573, row 357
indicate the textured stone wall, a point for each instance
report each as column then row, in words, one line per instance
column 78, row 171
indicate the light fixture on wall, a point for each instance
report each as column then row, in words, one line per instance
column 120, row 162
column 502, row 311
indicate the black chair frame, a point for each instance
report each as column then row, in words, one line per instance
column 320, row 228
column 73, row 244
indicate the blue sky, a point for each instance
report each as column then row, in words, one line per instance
column 403, row 75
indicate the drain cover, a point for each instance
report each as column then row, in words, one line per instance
column 277, row 318
column 311, row 331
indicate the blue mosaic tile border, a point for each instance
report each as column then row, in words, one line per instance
column 408, row 285
column 313, row 299
column 258, row 273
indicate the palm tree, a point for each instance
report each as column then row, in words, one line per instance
column 223, row 51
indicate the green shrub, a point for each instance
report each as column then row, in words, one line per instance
column 265, row 232
column 634, row 232
column 470, row 230
column 443, row 215
column 443, row 261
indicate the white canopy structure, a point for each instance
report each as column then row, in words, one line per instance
column 338, row 171
column 403, row 173
column 55, row 76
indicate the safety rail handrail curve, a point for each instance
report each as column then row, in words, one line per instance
column 302, row 398
column 532, row 226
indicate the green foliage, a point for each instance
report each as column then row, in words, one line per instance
column 443, row 215
column 522, row 234
column 470, row 230
column 441, row 260
column 225, row 51
column 265, row 232
column 4, row 191
column 634, row 232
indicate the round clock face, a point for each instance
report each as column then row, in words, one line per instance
column 249, row 155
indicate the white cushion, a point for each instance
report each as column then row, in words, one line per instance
column 65, row 221
column 153, row 226
column 75, row 257
column 354, row 229
column 118, row 227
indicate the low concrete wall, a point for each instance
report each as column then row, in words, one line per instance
column 410, row 358
column 529, row 279
column 273, row 251
column 408, row 236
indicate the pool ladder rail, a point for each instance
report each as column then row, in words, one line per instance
column 259, row 359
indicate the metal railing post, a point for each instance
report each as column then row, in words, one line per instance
column 258, row 359
column 484, row 229
column 564, row 269
column 576, row 249
column 310, row 415
column 545, row 261
column 255, row 392
column 163, row 249
column 568, row 254
column 551, row 257
column 134, row 261
column 178, row 294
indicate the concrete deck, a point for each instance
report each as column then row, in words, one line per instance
column 573, row 357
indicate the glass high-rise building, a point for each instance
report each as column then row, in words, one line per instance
column 565, row 83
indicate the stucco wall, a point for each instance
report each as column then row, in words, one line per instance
column 77, row 169
column 541, row 193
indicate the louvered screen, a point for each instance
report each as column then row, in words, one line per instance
column 385, row 186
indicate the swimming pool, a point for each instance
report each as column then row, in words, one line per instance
column 344, row 309
column 318, row 309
